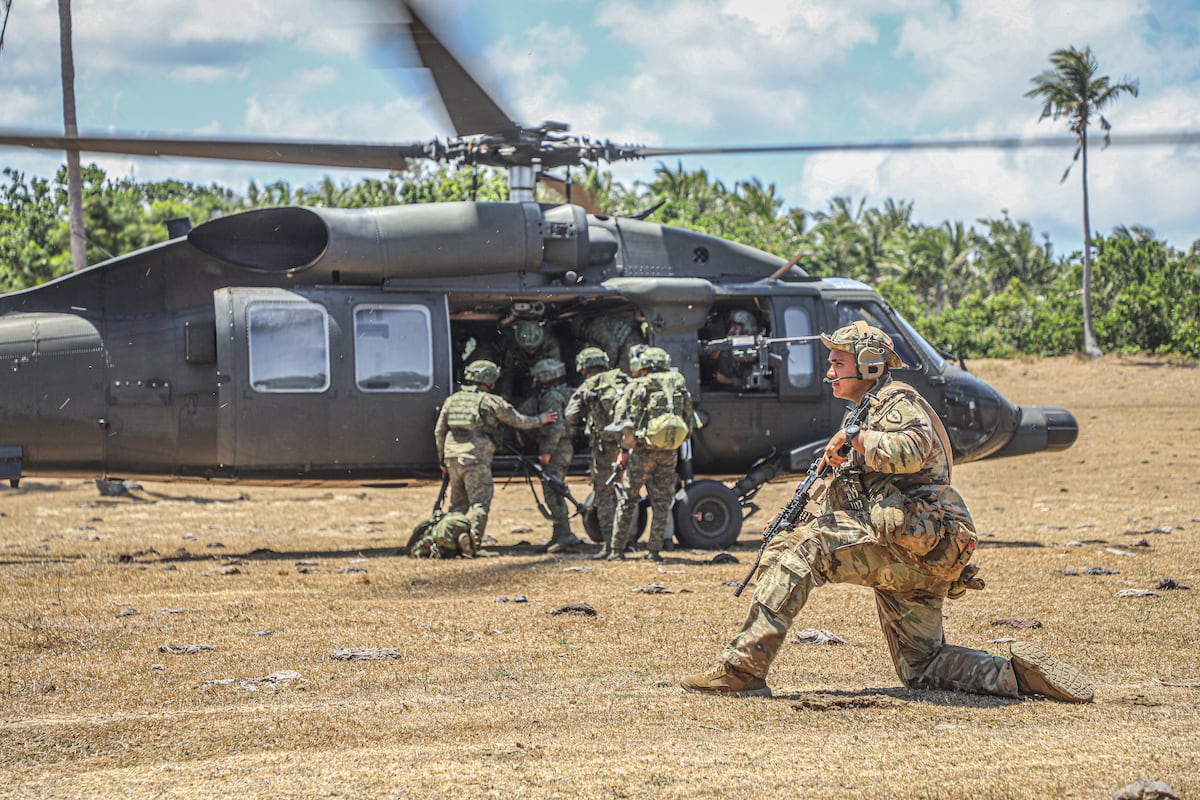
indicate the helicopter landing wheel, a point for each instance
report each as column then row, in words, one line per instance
column 707, row 515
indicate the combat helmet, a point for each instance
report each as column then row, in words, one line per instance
column 873, row 350
column 548, row 370
column 591, row 358
column 529, row 334
column 482, row 372
column 656, row 359
column 746, row 320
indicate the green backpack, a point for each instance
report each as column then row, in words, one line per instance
column 608, row 391
column 437, row 537
column 668, row 408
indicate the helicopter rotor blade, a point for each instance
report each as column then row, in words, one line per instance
column 346, row 155
column 471, row 109
column 1181, row 138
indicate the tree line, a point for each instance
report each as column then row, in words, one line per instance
column 990, row 287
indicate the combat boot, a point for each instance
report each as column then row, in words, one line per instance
column 728, row 680
column 653, row 555
column 1038, row 673
column 605, row 549
column 466, row 545
column 564, row 544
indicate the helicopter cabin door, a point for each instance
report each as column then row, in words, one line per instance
column 329, row 383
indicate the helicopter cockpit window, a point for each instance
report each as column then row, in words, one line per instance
column 797, row 321
column 289, row 347
column 873, row 314
column 393, row 349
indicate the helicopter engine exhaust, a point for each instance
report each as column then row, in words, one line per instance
column 412, row 241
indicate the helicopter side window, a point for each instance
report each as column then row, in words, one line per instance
column 289, row 347
column 393, row 348
column 873, row 314
column 797, row 321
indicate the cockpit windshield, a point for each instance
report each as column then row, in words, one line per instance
column 873, row 313
column 934, row 357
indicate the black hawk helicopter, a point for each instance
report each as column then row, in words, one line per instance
column 309, row 344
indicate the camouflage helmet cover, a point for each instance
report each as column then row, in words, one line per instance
column 548, row 370
column 655, row 358
column 529, row 334
column 858, row 337
column 482, row 371
column 591, row 358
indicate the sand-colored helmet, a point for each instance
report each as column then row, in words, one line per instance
column 655, row 358
column 872, row 348
column 529, row 334
column 591, row 358
column 482, row 371
column 548, row 370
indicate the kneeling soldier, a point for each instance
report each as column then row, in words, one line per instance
column 890, row 520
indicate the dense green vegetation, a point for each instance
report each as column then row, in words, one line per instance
column 987, row 287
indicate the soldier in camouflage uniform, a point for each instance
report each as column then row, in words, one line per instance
column 889, row 520
column 554, row 447
column 592, row 405
column 641, row 463
column 615, row 335
column 729, row 371
column 525, row 343
column 466, row 435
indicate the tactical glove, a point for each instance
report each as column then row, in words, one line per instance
column 887, row 513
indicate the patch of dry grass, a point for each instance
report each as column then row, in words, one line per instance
column 492, row 699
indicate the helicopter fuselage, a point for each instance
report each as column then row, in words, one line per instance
column 309, row 344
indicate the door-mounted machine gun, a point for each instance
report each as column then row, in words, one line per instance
column 761, row 353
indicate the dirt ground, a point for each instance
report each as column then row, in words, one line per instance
column 479, row 691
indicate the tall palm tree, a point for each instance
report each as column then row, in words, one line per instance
column 1072, row 89
column 74, row 177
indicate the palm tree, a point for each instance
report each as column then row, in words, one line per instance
column 74, row 177
column 1072, row 89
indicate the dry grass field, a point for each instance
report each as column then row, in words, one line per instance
column 485, row 698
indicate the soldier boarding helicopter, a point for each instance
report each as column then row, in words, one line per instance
column 309, row 344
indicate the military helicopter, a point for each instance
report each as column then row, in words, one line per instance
column 310, row 344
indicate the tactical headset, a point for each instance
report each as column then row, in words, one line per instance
column 870, row 358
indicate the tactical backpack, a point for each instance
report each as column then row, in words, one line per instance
column 667, row 411
column 608, row 389
column 437, row 536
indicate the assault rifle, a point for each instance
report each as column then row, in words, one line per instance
column 794, row 513
column 549, row 482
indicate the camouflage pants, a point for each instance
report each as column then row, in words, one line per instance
column 604, row 497
column 471, row 492
column 556, row 504
column 841, row 548
column 654, row 469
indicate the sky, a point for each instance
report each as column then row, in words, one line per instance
column 672, row 73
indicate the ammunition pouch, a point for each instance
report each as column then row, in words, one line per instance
column 846, row 492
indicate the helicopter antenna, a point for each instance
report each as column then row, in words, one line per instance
column 779, row 273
